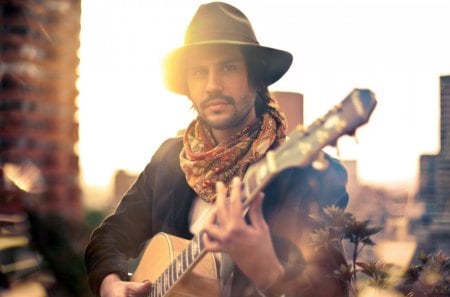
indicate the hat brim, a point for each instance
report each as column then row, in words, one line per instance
column 275, row 63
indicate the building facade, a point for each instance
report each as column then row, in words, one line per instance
column 39, row 41
column 434, row 184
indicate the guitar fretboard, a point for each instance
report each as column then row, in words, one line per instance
column 183, row 263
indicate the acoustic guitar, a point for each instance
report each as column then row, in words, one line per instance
column 179, row 267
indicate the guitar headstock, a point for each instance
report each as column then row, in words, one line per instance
column 304, row 144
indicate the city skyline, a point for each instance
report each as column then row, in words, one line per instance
column 395, row 48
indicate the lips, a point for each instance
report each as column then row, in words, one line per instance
column 216, row 102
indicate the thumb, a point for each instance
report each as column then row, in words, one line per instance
column 140, row 288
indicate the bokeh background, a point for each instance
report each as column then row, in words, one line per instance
column 83, row 108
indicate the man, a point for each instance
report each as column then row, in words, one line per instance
column 225, row 73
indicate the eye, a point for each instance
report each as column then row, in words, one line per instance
column 197, row 73
column 229, row 67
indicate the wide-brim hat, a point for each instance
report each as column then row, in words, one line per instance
column 220, row 23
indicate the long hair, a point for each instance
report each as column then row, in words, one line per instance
column 255, row 68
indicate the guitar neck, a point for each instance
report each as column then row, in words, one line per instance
column 257, row 177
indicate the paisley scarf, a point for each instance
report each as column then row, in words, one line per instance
column 204, row 162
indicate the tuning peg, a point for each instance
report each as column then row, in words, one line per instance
column 337, row 107
column 320, row 163
column 333, row 143
column 300, row 128
column 351, row 133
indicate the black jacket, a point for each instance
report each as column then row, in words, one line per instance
column 160, row 201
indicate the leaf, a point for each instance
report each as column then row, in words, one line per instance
column 412, row 273
column 368, row 241
column 359, row 231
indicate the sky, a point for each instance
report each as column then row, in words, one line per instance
column 396, row 48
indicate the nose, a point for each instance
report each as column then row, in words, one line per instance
column 214, row 83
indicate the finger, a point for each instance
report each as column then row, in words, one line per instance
column 211, row 217
column 213, row 232
column 256, row 212
column 210, row 244
column 235, row 197
column 140, row 288
column 211, row 228
column 221, row 207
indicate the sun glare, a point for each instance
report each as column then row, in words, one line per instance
column 124, row 111
column 397, row 50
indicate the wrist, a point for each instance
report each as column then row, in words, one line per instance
column 107, row 282
column 274, row 286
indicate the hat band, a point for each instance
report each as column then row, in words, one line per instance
column 227, row 36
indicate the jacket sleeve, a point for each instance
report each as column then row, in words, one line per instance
column 123, row 234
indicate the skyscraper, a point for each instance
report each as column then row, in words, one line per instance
column 434, row 186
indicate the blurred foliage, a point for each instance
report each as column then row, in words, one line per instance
column 57, row 240
column 429, row 278
column 59, row 243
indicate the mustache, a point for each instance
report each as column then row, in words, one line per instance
column 213, row 97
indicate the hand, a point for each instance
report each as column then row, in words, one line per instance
column 248, row 244
column 113, row 286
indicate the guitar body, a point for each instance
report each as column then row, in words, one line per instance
column 201, row 281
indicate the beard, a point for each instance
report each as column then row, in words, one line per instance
column 229, row 120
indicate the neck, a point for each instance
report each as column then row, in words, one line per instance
column 222, row 134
